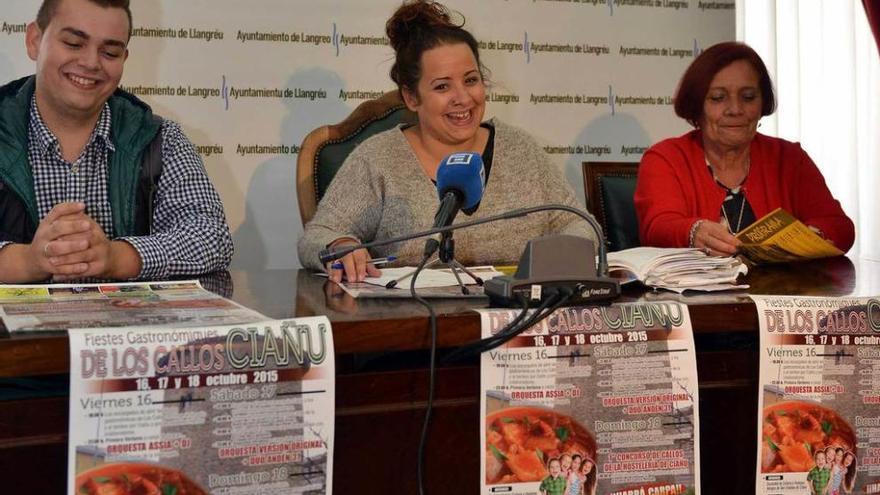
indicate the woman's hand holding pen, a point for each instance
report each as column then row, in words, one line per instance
column 355, row 265
column 715, row 238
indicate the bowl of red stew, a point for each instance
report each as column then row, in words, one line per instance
column 135, row 478
column 793, row 431
column 520, row 441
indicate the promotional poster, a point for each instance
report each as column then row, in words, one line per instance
column 819, row 395
column 592, row 400
column 57, row 307
column 245, row 409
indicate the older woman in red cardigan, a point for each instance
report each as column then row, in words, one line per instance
column 701, row 188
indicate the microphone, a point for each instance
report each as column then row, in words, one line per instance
column 461, row 178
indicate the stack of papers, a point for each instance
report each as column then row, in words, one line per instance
column 676, row 269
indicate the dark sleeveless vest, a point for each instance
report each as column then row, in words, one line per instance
column 134, row 167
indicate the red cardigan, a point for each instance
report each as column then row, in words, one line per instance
column 675, row 189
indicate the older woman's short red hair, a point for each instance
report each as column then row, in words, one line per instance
column 695, row 82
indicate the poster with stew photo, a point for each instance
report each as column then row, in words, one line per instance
column 243, row 409
column 819, row 396
column 591, row 401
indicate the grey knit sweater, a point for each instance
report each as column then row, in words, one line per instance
column 382, row 192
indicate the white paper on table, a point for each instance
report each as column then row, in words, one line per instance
column 430, row 278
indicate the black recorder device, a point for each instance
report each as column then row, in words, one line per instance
column 551, row 264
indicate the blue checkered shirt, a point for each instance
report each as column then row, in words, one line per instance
column 190, row 235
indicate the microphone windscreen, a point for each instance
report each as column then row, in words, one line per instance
column 464, row 175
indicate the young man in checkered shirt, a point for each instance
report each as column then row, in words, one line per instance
column 75, row 201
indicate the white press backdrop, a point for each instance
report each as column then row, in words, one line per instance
column 591, row 79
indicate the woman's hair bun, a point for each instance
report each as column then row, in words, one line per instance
column 414, row 17
column 418, row 26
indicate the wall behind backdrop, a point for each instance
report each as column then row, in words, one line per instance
column 592, row 80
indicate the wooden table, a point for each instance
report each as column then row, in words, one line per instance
column 382, row 380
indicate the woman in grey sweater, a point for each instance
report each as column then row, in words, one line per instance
column 385, row 187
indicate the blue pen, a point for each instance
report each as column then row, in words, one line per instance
column 374, row 261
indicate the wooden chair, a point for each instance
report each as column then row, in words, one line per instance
column 325, row 149
column 609, row 187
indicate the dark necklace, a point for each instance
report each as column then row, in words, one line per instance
column 731, row 195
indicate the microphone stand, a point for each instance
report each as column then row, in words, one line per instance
column 333, row 254
column 447, row 257
column 446, row 245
